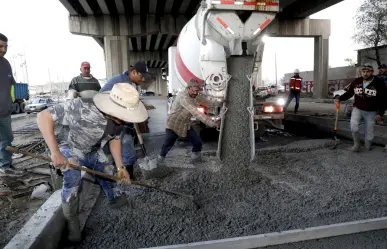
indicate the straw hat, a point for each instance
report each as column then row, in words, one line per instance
column 122, row 102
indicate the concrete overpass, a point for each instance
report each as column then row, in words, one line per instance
column 131, row 30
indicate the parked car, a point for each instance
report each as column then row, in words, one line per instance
column 38, row 105
column 263, row 92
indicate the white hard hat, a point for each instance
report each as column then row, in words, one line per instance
column 296, row 71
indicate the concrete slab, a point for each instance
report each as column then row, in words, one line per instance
column 158, row 117
column 44, row 229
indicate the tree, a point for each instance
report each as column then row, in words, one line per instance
column 371, row 26
column 350, row 62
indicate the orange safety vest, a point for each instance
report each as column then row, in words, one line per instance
column 295, row 84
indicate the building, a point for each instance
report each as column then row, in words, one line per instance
column 367, row 55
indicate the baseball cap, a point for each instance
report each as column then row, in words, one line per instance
column 85, row 64
column 194, row 83
column 141, row 67
column 382, row 66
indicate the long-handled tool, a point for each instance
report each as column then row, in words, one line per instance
column 140, row 140
column 336, row 124
column 111, row 177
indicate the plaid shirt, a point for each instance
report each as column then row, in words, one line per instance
column 183, row 108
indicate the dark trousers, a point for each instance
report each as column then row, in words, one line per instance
column 293, row 94
column 171, row 137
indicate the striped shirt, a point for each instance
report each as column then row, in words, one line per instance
column 81, row 83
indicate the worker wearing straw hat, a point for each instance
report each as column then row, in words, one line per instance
column 94, row 128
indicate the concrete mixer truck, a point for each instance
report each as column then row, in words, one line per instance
column 221, row 47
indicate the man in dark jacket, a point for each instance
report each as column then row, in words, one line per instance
column 370, row 93
column 382, row 73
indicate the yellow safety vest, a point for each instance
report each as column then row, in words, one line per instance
column 13, row 93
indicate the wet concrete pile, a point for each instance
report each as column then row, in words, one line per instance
column 235, row 139
column 286, row 189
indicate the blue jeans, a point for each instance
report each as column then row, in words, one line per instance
column 369, row 121
column 6, row 138
column 292, row 95
column 171, row 137
column 72, row 177
column 127, row 143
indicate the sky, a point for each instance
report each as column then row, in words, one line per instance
column 39, row 30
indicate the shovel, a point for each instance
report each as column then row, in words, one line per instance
column 150, row 163
column 140, row 140
column 107, row 176
column 336, row 124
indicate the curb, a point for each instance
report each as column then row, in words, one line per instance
column 44, row 229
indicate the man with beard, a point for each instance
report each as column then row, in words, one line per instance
column 369, row 104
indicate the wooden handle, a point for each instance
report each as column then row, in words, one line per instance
column 138, row 133
column 111, row 177
column 47, row 159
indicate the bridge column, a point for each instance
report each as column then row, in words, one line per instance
column 321, row 58
column 116, row 54
column 158, row 85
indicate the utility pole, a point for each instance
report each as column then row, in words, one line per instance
column 49, row 80
column 275, row 59
column 14, row 67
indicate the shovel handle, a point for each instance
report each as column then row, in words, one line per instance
column 111, row 177
column 138, row 133
column 76, row 167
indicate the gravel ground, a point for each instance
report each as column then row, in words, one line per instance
column 298, row 185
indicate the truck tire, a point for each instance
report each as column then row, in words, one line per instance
column 16, row 108
column 261, row 130
column 22, row 107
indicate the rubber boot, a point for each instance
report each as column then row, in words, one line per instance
column 368, row 145
column 70, row 212
column 130, row 170
column 196, row 157
column 356, row 142
column 160, row 161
